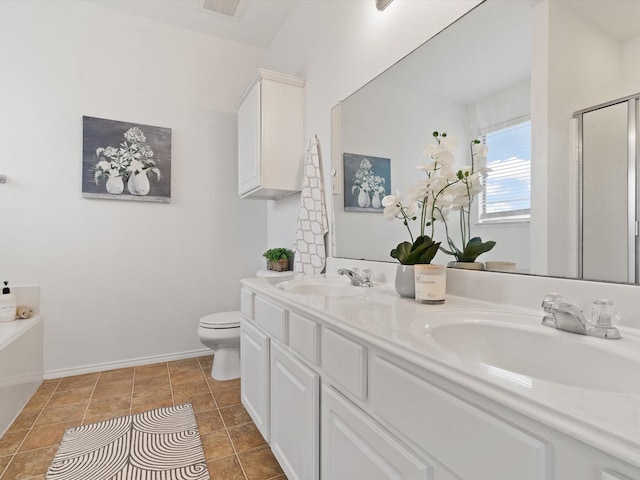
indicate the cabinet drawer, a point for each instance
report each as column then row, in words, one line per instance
column 304, row 337
column 468, row 441
column 246, row 303
column 345, row 361
column 271, row 318
column 354, row 446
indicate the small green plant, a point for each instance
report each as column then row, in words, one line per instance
column 278, row 259
column 275, row 254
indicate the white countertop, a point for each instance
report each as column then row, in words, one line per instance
column 609, row 421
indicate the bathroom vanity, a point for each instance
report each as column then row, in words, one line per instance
column 365, row 384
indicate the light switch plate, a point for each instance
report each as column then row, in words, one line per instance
column 3, row 179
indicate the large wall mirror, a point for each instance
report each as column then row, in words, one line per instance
column 568, row 71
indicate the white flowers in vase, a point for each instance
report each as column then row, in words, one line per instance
column 132, row 160
column 443, row 190
column 369, row 185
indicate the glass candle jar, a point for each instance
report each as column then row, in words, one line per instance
column 431, row 283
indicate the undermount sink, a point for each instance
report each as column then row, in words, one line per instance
column 325, row 287
column 517, row 343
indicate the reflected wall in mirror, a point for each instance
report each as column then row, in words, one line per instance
column 503, row 63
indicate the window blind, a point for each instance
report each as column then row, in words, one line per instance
column 507, row 187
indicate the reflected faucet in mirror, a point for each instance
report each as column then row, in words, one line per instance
column 357, row 279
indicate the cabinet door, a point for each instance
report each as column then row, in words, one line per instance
column 353, row 446
column 295, row 410
column 465, row 439
column 254, row 371
column 249, row 149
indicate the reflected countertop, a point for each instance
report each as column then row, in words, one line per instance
column 605, row 419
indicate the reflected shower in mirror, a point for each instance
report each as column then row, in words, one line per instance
column 503, row 64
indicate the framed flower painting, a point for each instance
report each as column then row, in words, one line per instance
column 125, row 161
column 367, row 180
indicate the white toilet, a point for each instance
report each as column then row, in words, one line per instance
column 221, row 332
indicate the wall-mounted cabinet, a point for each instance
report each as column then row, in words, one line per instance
column 270, row 136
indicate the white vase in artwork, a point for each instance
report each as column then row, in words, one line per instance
column 138, row 184
column 375, row 201
column 363, row 199
column 115, row 184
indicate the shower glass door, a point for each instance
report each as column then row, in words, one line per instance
column 608, row 184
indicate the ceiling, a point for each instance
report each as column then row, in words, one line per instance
column 257, row 25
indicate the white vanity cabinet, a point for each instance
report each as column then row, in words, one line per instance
column 279, row 390
column 337, row 405
column 270, row 136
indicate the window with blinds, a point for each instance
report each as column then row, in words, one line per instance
column 507, row 187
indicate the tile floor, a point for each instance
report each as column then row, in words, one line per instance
column 233, row 447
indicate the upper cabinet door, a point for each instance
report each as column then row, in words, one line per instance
column 270, row 136
column 249, row 141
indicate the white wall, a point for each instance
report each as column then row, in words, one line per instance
column 121, row 280
column 581, row 70
column 630, row 67
column 339, row 46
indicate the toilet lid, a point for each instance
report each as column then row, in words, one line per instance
column 221, row 320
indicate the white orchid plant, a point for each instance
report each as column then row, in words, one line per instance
column 132, row 157
column 445, row 189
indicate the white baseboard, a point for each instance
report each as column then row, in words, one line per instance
column 100, row 367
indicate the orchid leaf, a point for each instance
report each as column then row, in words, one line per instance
column 474, row 248
column 421, row 251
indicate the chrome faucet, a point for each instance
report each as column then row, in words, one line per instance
column 565, row 316
column 357, row 279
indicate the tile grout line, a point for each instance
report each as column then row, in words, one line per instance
column 226, row 429
column 133, row 389
column 86, row 409
column 173, row 398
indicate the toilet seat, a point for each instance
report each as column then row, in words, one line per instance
column 221, row 320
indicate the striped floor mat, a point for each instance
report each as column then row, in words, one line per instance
column 161, row 444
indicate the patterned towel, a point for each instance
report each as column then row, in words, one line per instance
column 310, row 252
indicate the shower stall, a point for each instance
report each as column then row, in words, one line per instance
column 607, row 136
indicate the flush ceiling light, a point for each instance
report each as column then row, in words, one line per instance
column 382, row 4
column 229, row 8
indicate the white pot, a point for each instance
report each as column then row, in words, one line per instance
column 466, row 265
column 363, row 199
column 138, row 184
column 405, row 281
column 115, row 185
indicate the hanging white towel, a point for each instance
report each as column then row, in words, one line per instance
column 310, row 251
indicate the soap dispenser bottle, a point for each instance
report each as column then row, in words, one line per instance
column 7, row 304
